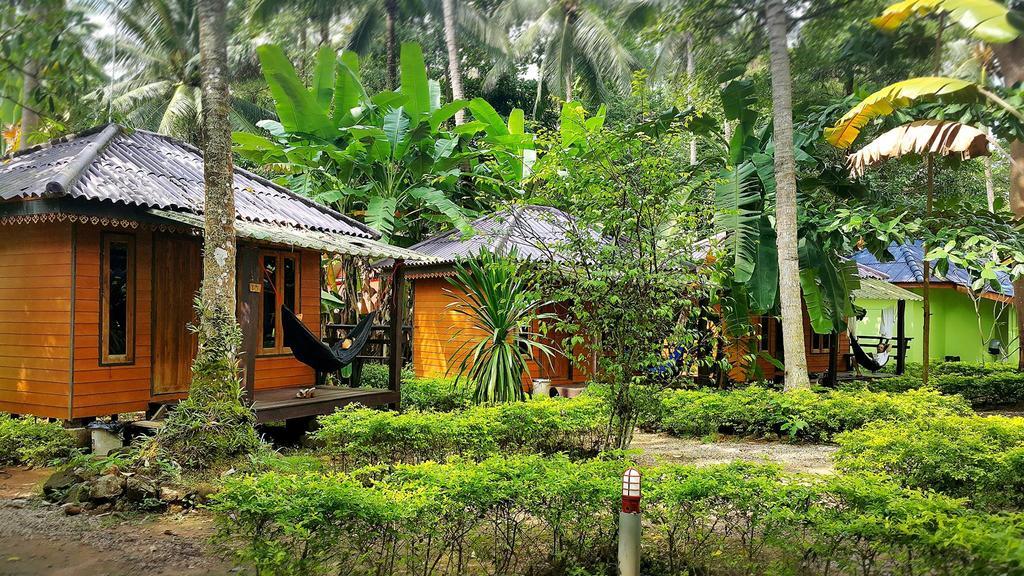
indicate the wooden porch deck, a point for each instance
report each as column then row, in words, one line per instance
column 281, row 403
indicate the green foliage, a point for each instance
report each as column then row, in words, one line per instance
column 33, row 441
column 212, row 424
column 804, row 414
column 623, row 265
column 530, row 514
column 980, row 384
column 974, row 457
column 389, row 154
column 437, row 394
column 492, row 293
column 357, row 436
column 429, row 518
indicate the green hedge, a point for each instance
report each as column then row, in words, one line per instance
column 357, row 436
column 981, row 385
column 530, row 514
column 975, row 457
column 33, row 441
column 802, row 414
column 440, row 394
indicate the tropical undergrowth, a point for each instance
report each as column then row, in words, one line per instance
column 551, row 515
column 34, row 441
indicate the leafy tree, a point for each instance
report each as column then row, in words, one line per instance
column 625, row 270
column 44, row 70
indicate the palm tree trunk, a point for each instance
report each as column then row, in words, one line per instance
column 785, row 204
column 1011, row 65
column 390, row 15
column 454, row 70
column 926, row 332
column 691, row 69
column 218, row 292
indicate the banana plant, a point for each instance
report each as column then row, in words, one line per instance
column 389, row 157
column 744, row 208
column 987, row 20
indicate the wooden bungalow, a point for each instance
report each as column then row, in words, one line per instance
column 535, row 232
column 100, row 260
column 827, row 354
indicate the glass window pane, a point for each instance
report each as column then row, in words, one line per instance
column 117, row 301
column 269, row 302
column 290, row 288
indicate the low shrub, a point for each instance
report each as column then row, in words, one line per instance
column 503, row 515
column 358, row 436
column 803, row 414
column 33, row 441
column 438, row 394
column 980, row 384
column 975, row 457
column 551, row 515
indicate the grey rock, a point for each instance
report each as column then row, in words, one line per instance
column 138, row 488
column 59, row 482
column 106, row 487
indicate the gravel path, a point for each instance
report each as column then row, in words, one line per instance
column 37, row 538
column 811, row 458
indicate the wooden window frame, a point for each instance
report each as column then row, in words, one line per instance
column 279, row 349
column 824, row 345
column 128, row 358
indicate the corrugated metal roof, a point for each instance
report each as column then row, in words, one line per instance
column 875, row 289
column 324, row 242
column 535, row 231
column 907, row 267
column 138, row 168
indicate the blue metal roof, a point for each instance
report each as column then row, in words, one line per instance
column 907, row 267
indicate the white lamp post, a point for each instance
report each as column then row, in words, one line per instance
column 629, row 524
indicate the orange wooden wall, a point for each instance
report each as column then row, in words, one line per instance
column 283, row 371
column 100, row 390
column 816, row 361
column 436, row 352
column 35, row 312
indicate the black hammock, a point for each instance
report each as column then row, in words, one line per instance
column 308, row 349
column 864, row 359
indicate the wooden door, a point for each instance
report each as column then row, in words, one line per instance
column 177, row 271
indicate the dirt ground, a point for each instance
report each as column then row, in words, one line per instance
column 37, row 538
column 810, row 458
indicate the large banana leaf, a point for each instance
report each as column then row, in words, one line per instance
column 349, row 94
column 323, row 77
column 827, row 287
column 987, row 20
column 923, row 137
column 415, row 84
column 896, row 96
column 437, row 200
column 737, row 213
column 764, row 283
column 297, row 108
column 380, row 215
column 396, row 126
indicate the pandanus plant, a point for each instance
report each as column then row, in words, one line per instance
column 925, row 138
column 491, row 292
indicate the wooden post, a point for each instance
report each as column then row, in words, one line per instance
column 395, row 329
column 901, row 336
column 250, row 287
column 833, row 358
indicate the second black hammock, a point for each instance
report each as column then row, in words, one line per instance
column 308, row 349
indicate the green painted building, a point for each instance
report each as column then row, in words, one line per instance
column 964, row 325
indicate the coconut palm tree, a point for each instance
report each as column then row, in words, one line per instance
column 575, row 43
column 157, row 77
column 785, row 201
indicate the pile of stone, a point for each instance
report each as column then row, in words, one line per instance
column 83, row 489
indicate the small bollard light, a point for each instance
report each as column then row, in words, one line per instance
column 631, row 491
column 629, row 524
